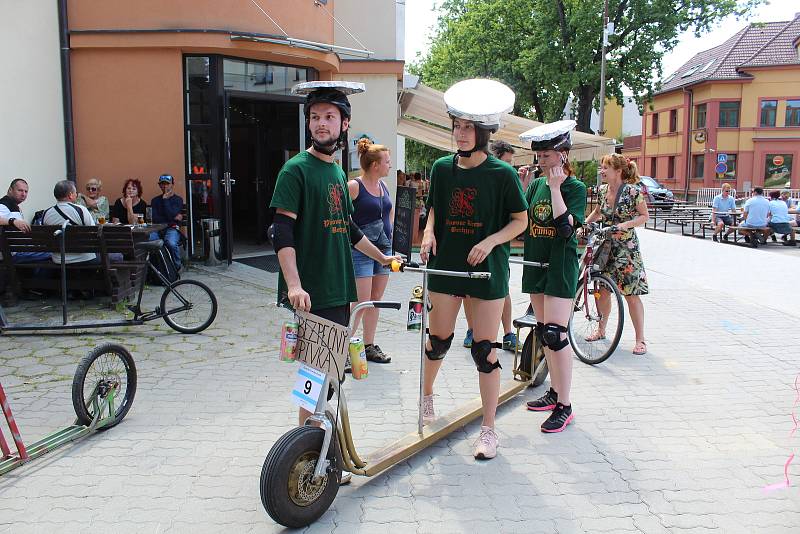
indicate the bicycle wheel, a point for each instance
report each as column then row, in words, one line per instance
column 533, row 362
column 288, row 492
column 106, row 366
column 586, row 319
column 188, row 306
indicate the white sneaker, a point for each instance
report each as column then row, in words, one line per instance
column 428, row 415
column 486, row 444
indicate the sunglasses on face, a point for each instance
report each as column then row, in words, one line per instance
column 90, row 188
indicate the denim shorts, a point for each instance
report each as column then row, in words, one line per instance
column 727, row 219
column 364, row 266
column 780, row 228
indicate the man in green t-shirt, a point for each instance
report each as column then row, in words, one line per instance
column 313, row 229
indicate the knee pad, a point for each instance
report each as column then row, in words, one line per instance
column 480, row 354
column 551, row 336
column 538, row 331
column 439, row 347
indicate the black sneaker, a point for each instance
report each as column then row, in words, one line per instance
column 725, row 238
column 545, row 402
column 559, row 419
column 774, row 239
column 714, row 237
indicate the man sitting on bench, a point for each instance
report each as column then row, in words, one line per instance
column 67, row 209
column 779, row 219
column 721, row 209
column 756, row 210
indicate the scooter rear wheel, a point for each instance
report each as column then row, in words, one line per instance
column 288, row 492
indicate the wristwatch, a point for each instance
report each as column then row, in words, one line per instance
column 11, row 222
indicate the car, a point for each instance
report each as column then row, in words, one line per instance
column 656, row 194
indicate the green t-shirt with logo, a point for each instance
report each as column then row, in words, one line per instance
column 468, row 206
column 542, row 243
column 315, row 190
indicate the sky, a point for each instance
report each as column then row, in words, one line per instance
column 421, row 19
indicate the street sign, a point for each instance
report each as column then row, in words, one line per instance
column 722, row 158
column 777, row 160
column 721, row 168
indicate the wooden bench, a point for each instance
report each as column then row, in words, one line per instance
column 117, row 279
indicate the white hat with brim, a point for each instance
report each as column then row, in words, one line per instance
column 479, row 100
column 348, row 88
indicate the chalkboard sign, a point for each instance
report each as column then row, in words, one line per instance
column 404, row 220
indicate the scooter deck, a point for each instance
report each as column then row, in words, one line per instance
column 412, row 443
column 44, row 445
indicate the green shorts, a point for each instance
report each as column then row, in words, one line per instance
column 560, row 279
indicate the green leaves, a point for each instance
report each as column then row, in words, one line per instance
column 546, row 50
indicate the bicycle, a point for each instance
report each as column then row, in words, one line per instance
column 187, row 306
column 603, row 312
column 587, row 318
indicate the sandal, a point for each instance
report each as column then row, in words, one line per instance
column 596, row 336
column 375, row 354
column 640, row 348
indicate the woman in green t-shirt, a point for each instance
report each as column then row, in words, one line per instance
column 475, row 207
column 557, row 205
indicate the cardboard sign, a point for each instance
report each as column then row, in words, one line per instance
column 322, row 344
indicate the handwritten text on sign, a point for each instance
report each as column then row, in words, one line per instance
column 322, row 344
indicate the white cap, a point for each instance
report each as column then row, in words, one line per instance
column 348, row 88
column 480, row 100
column 549, row 131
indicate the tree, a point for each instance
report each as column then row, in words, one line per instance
column 548, row 49
column 420, row 157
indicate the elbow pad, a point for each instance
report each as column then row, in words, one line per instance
column 355, row 232
column 563, row 227
column 282, row 232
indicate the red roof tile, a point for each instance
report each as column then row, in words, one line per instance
column 757, row 44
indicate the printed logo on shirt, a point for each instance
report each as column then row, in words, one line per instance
column 336, row 223
column 462, row 209
column 541, row 213
column 461, row 203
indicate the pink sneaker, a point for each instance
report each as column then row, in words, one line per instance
column 428, row 414
column 486, row 444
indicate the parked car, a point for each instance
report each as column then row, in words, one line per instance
column 657, row 195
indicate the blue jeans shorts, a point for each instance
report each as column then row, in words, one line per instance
column 364, row 266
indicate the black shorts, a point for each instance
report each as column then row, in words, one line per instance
column 336, row 314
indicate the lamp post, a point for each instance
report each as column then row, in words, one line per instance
column 601, row 127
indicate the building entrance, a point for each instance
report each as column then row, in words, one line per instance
column 264, row 134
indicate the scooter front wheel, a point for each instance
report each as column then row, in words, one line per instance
column 288, row 491
column 533, row 361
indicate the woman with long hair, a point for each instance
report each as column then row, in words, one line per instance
column 475, row 207
column 373, row 213
column 622, row 203
column 556, row 206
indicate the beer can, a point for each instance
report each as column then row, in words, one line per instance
column 358, row 358
column 414, row 321
column 289, row 341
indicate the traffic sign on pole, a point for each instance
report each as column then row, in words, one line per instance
column 721, row 168
column 722, row 158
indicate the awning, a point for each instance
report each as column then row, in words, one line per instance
column 423, row 117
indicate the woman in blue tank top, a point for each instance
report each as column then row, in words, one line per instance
column 374, row 215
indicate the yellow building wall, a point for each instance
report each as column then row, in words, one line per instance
column 612, row 120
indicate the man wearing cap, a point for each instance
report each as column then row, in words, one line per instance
column 313, row 229
column 557, row 204
column 167, row 208
column 475, row 207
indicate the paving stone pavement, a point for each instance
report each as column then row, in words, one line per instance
column 681, row 440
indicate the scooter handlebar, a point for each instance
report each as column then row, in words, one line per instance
column 387, row 304
column 411, row 266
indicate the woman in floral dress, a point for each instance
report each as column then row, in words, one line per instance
column 622, row 203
